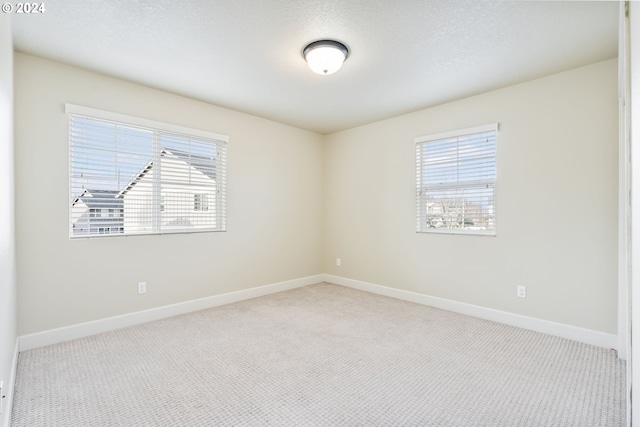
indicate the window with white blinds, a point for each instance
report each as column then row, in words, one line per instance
column 135, row 176
column 456, row 181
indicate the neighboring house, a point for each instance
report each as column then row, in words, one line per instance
column 187, row 190
column 97, row 212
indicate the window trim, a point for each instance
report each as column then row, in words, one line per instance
column 138, row 121
column 492, row 127
column 93, row 113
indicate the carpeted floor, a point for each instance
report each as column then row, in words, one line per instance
column 322, row 355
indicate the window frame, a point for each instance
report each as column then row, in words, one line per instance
column 492, row 127
column 221, row 168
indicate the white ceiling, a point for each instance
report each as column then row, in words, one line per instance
column 246, row 54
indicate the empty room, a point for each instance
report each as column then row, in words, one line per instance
column 319, row 213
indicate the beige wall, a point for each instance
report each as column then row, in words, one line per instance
column 274, row 206
column 556, row 202
column 298, row 200
column 8, row 300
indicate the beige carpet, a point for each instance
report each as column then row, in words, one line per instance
column 322, row 355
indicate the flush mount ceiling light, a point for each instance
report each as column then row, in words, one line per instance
column 325, row 56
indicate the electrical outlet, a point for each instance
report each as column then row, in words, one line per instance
column 521, row 291
column 338, row 262
column 142, row 287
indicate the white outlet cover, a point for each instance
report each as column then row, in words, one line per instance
column 521, row 291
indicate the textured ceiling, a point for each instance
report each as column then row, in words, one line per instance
column 246, row 54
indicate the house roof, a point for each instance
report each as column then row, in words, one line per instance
column 100, row 199
column 198, row 162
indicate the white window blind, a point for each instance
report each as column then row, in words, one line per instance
column 456, row 180
column 134, row 176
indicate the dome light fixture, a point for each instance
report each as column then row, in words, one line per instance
column 325, row 56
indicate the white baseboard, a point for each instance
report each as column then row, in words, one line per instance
column 67, row 333
column 7, row 405
column 587, row 336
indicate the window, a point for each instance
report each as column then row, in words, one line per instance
column 135, row 176
column 201, row 202
column 456, row 180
